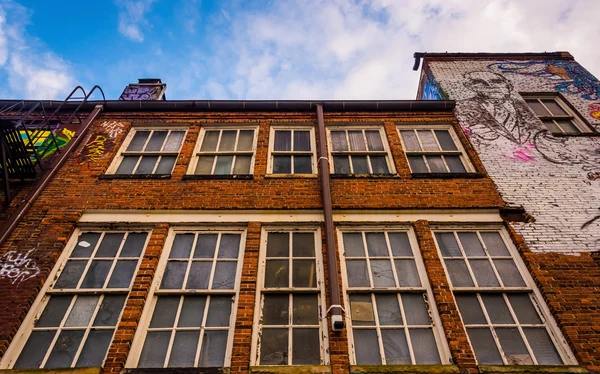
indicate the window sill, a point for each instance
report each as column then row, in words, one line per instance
column 447, row 175
column 352, row 176
column 218, row 177
column 408, row 369
column 291, row 176
column 290, row 369
column 518, row 369
column 216, row 370
column 135, row 176
column 92, row 370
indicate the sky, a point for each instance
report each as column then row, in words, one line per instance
column 270, row 49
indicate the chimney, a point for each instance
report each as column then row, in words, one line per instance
column 145, row 89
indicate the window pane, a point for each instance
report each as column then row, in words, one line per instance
column 54, row 311
column 146, row 166
column 212, row 353
column 96, row 274
column 64, row 349
column 85, row 244
column 366, row 347
column 302, row 164
column 283, row 140
column 524, row 309
column 388, row 309
column 219, row 311
column 156, row 141
column 210, row 141
column 274, row 347
column 484, row 274
column 470, row 309
column 357, row 141
column 109, row 311
column 494, row 244
column 400, row 244
column 174, row 141
column 537, row 108
column 360, row 165
column 245, row 141
column 374, row 140
column 341, row 165
column 382, row 273
column 230, row 246
column 357, row 273
column 155, row 349
column 552, row 127
column 278, row 244
column 35, row 349
column 459, row 275
column 199, row 275
column 415, row 309
column 445, row 140
column 301, row 140
column 282, row 164
column 376, row 245
column 276, row 310
column 424, row 346
column 276, row 273
column 512, row 344
column 379, row 165
column 542, row 346
column 338, row 141
column 165, row 165
column 134, row 244
column 568, row 127
column 417, row 164
column 182, row 246
column 110, row 245
column 82, row 311
column 223, row 166
column 427, row 140
column 455, row 164
column 303, row 244
column 127, row 165
column 183, row 351
column 509, row 273
column 94, row 349
column 165, row 311
column 242, row 165
column 205, row 246
column 192, row 311
column 554, row 108
column 361, row 310
column 306, row 347
column 174, row 273
column 122, row 274
column 484, row 346
column 227, row 140
column 224, row 278
column 303, row 273
column 138, row 141
column 496, row 308
column 471, row 244
column 395, row 347
column 436, row 164
column 205, row 164
column 448, row 245
column 305, row 310
column 353, row 245
column 408, row 276
column 410, row 140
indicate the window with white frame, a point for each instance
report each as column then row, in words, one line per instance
column 76, row 319
column 433, row 149
column 292, row 150
column 505, row 320
column 224, row 151
column 555, row 114
column 360, row 151
column 291, row 300
column 390, row 317
column 149, row 151
column 190, row 318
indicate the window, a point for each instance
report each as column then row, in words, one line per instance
column 504, row 318
column 360, row 151
column 290, row 329
column 77, row 316
column 292, row 150
column 433, row 149
column 555, row 114
column 224, row 152
column 148, row 151
column 390, row 319
column 190, row 318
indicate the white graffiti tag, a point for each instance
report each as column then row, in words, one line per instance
column 112, row 128
column 18, row 266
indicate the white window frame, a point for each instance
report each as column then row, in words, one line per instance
column 122, row 152
column 37, row 308
column 571, row 114
column 386, row 147
column 142, row 330
column 530, row 288
column 312, row 152
column 464, row 158
column 436, row 323
column 320, row 280
column 212, row 127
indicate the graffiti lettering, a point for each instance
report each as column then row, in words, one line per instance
column 133, row 92
column 113, row 128
column 68, row 133
column 18, row 267
column 95, row 149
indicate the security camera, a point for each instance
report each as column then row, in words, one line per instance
column 337, row 324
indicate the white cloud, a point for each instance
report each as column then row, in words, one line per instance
column 132, row 18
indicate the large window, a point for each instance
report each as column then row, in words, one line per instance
column 555, row 114
column 289, row 325
column 190, row 317
column 504, row 318
column 224, row 151
column 433, row 149
column 292, row 150
column 389, row 311
column 76, row 319
column 360, row 151
column 148, row 151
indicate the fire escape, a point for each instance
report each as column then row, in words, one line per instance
column 32, row 133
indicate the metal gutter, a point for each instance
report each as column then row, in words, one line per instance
column 490, row 55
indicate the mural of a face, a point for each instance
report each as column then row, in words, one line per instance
column 488, row 85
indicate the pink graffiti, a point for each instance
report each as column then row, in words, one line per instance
column 594, row 110
column 523, row 153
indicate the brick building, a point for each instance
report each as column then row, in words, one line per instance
column 236, row 236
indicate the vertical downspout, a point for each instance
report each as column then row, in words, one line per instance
column 334, row 287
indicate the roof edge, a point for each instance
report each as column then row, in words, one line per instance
column 561, row 55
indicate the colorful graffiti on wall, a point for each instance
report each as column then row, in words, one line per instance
column 430, row 89
column 42, row 141
column 101, row 142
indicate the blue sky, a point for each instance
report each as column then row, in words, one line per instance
column 284, row 49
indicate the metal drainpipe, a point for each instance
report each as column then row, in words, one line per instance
column 16, row 217
column 334, row 287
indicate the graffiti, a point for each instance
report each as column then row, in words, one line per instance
column 42, row 142
column 431, row 89
column 594, row 110
column 95, row 149
column 100, row 143
column 18, row 267
column 522, row 153
column 569, row 78
column 135, row 92
column 113, row 128
column 593, row 176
